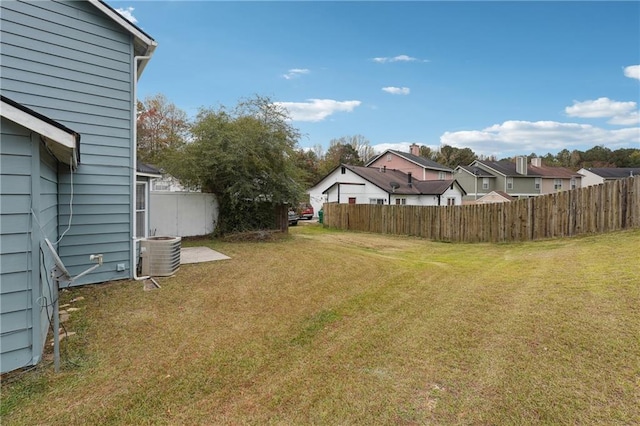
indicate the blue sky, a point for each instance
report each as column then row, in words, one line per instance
column 502, row 78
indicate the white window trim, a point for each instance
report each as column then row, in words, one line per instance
column 145, row 186
column 556, row 186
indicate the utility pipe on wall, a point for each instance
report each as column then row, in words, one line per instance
column 134, row 156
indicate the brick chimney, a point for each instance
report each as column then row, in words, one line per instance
column 414, row 149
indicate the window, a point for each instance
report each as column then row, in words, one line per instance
column 141, row 210
column 401, row 201
column 557, row 184
column 376, row 200
column 160, row 185
column 537, row 183
column 451, row 201
column 388, row 157
column 573, row 183
column 485, row 183
column 352, row 200
column 442, row 175
column 509, row 183
column 343, row 170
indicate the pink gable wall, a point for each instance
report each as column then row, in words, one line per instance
column 392, row 161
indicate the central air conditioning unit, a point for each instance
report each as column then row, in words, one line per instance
column 160, row 256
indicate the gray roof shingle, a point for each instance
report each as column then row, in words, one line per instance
column 148, row 169
column 508, row 168
column 391, row 178
column 615, row 172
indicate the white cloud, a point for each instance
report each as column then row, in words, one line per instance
column 317, row 109
column 127, row 14
column 539, row 136
column 632, row 71
column 295, row 72
column 626, row 120
column 399, row 58
column 622, row 113
column 398, row 146
column 397, row 90
column 601, row 107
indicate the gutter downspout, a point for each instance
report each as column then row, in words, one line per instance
column 134, row 156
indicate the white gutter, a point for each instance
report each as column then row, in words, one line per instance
column 134, row 155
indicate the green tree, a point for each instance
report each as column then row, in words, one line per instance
column 634, row 158
column 247, row 158
column 428, row 153
column 361, row 145
column 161, row 129
column 465, row 157
column 624, row 157
column 309, row 164
column 564, row 158
column 354, row 150
column 598, row 156
column 575, row 159
column 339, row 153
column 452, row 157
column 550, row 160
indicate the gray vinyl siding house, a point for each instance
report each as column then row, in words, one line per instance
column 516, row 178
column 68, row 67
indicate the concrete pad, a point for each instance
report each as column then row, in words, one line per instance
column 199, row 254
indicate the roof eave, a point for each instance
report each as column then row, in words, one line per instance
column 61, row 141
column 441, row 169
column 488, row 167
column 375, row 158
column 143, row 62
column 149, row 175
column 147, row 43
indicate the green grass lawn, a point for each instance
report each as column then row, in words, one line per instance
column 328, row 327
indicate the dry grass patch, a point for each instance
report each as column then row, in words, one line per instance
column 328, row 327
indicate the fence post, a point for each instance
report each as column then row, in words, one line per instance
column 606, row 207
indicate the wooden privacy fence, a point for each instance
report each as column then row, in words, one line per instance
column 608, row 207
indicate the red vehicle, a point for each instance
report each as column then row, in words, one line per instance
column 306, row 211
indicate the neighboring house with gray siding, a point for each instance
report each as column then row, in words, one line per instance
column 516, row 178
column 68, row 75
